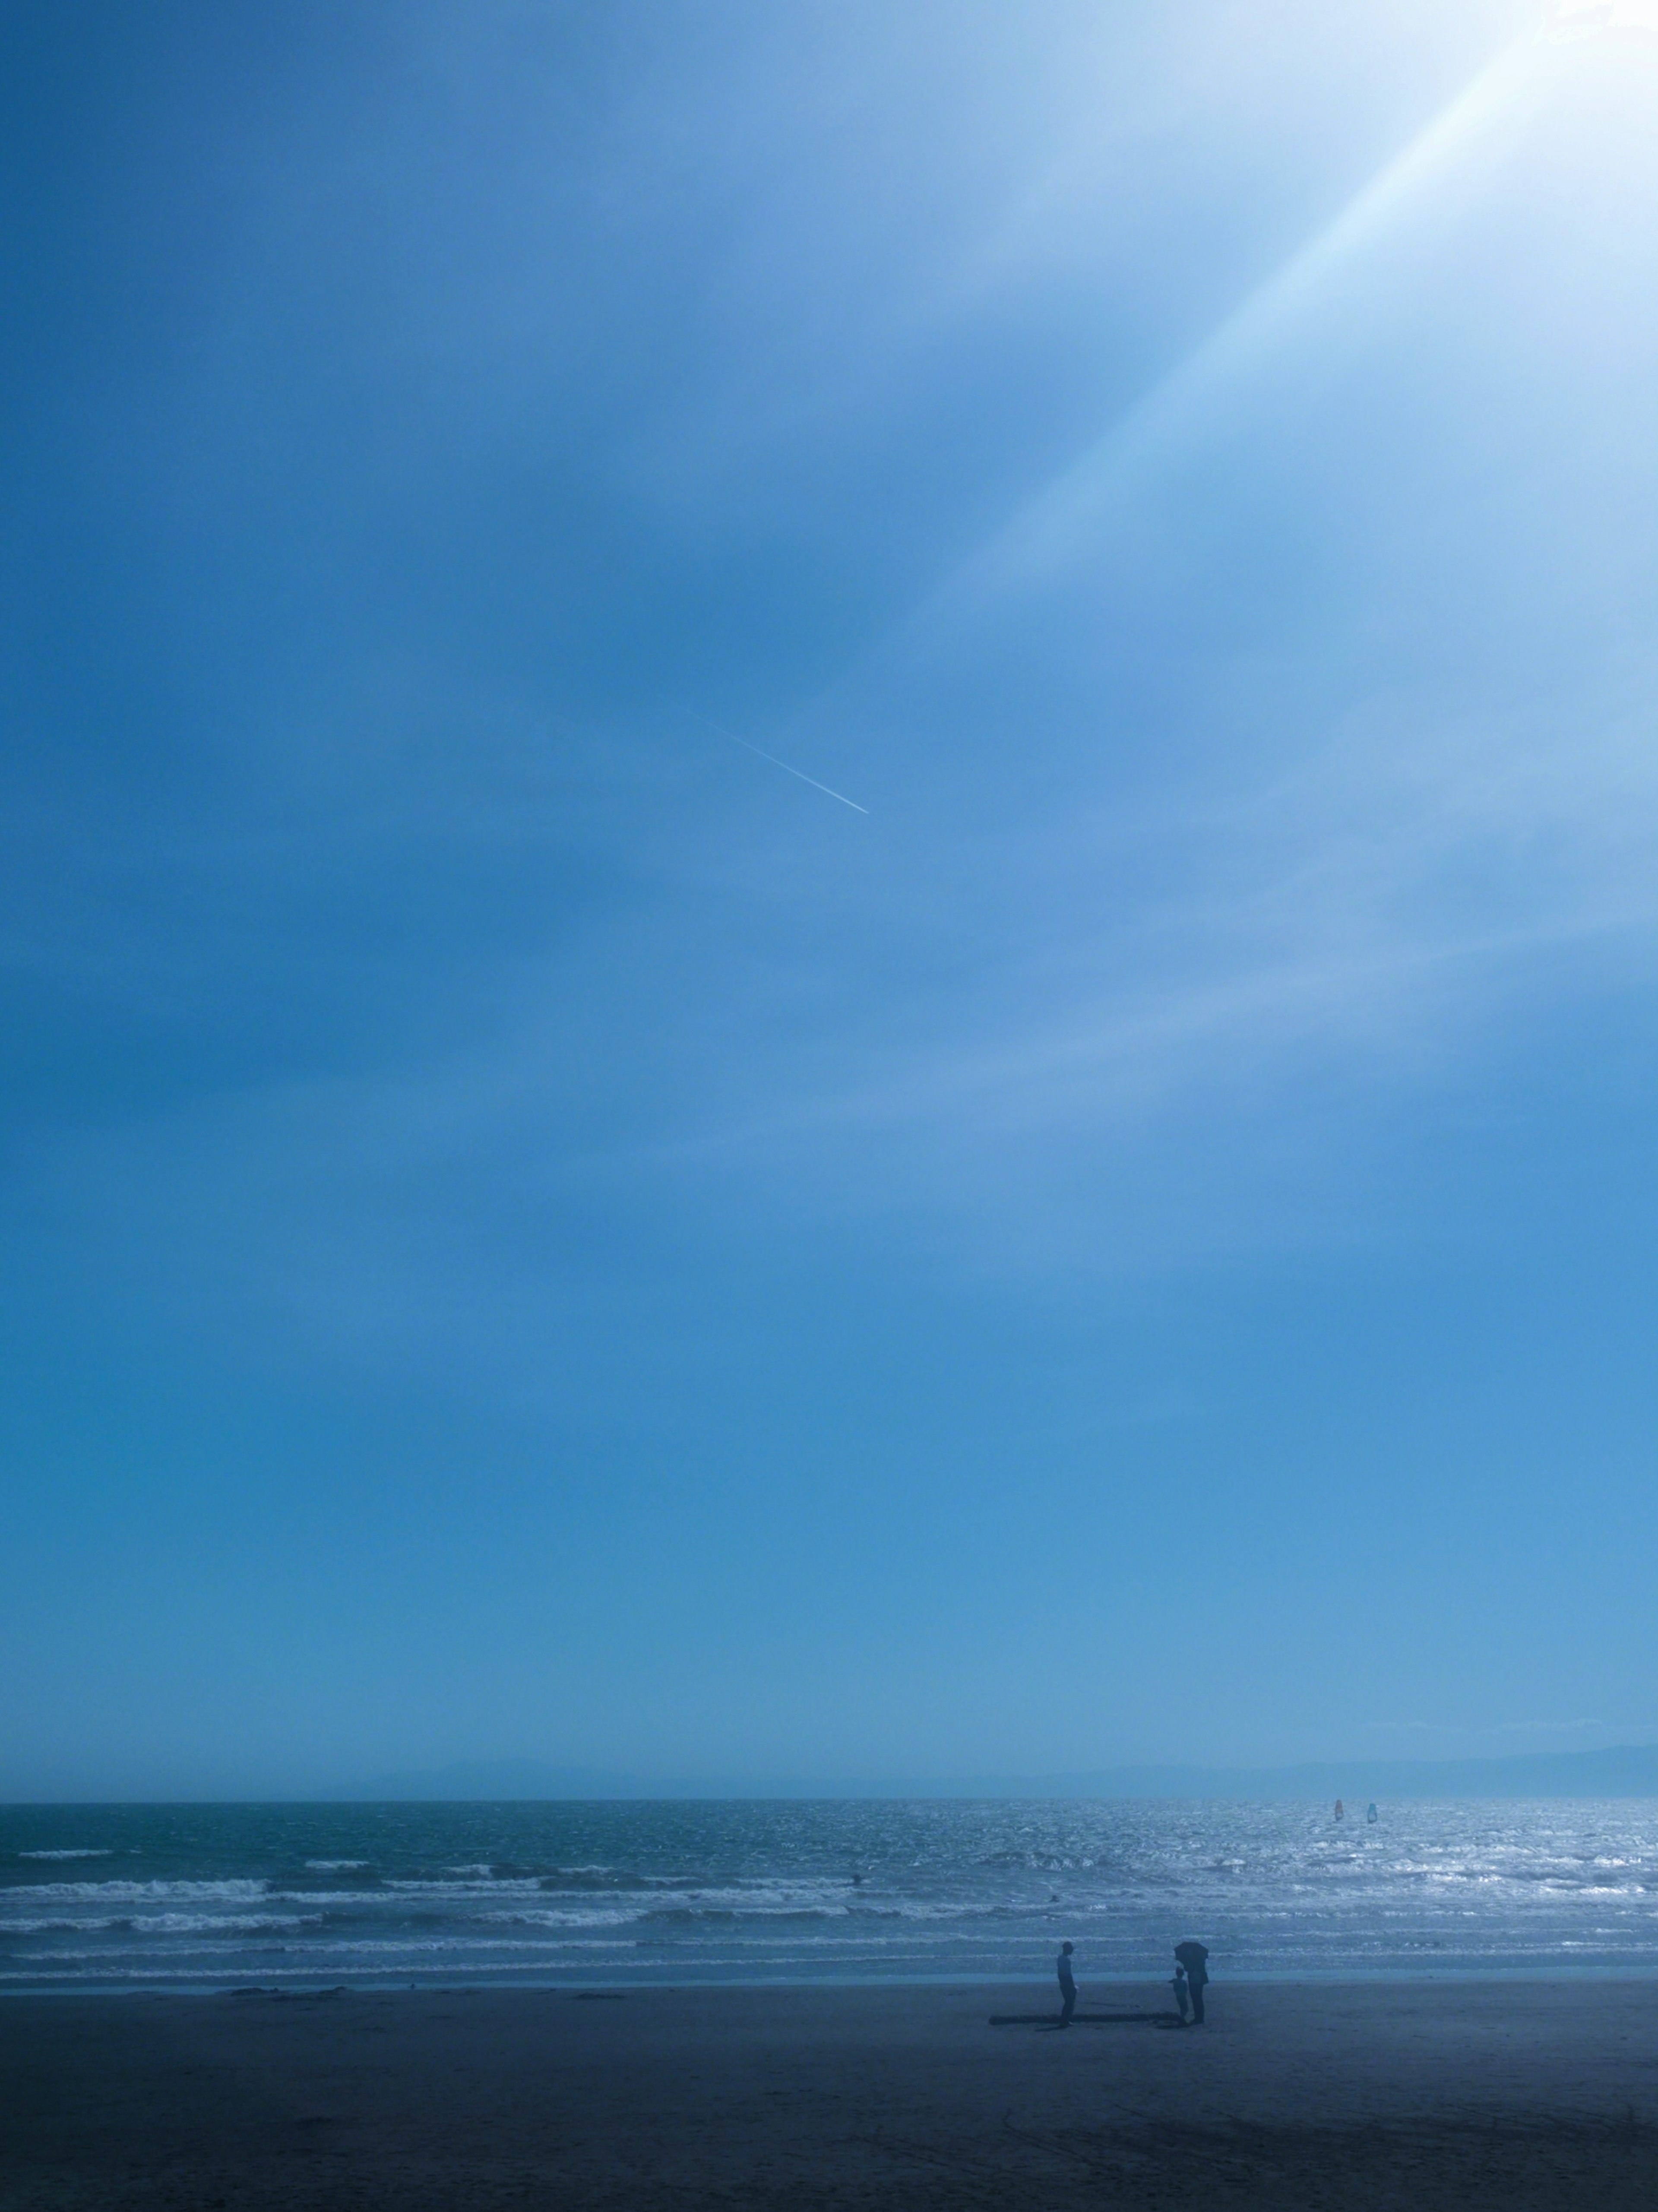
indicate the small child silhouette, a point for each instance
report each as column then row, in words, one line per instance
column 1178, row 1985
column 1067, row 1986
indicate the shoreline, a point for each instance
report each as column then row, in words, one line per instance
column 1402, row 1979
column 1538, row 2094
column 1314, row 1983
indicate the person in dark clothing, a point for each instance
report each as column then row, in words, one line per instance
column 1192, row 1957
column 1067, row 1986
column 1178, row 1985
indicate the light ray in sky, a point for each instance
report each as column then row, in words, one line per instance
column 1040, row 539
column 1575, row 21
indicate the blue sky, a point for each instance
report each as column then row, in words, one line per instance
column 533, row 1232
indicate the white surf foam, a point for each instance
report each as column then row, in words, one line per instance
column 437, row 1889
column 360, row 1900
column 549, row 1917
column 113, row 1893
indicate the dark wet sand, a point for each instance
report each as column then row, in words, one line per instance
column 1516, row 2094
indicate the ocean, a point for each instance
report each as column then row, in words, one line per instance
column 607, row 1896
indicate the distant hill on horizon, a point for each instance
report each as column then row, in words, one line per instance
column 1621, row 1770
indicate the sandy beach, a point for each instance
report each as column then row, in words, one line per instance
column 1524, row 2093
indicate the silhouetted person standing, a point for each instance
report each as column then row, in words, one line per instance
column 1182, row 2000
column 1067, row 1986
column 1192, row 1957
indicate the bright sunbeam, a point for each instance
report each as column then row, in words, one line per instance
column 1041, row 538
column 1572, row 21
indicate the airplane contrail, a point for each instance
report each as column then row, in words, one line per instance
column 720, row 732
